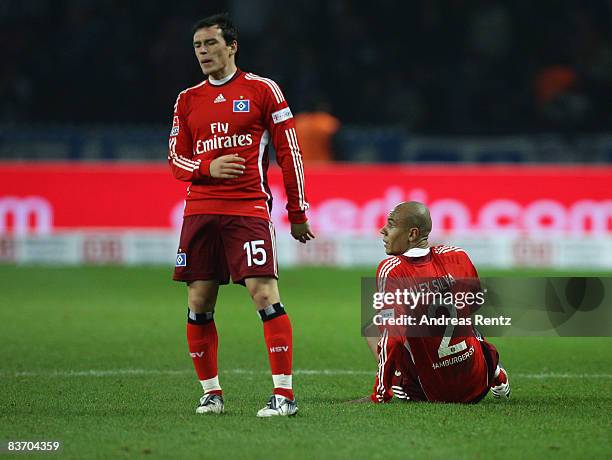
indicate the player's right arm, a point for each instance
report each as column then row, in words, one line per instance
column 180, row 153
column 372, row 332
column 389, row 351
column 180, row 148
column 387, row 346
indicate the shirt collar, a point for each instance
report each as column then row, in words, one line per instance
column 416, row 252
column 223, row 80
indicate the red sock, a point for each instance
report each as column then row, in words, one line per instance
column 278, row 335
column 203, row 343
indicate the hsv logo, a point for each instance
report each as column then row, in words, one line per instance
column 181, row 260
column 242, row 105
column 197, row 354
column 284, row 348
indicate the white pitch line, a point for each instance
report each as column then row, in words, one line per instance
column 329, row 372
column 555, row 375
column 118, row 372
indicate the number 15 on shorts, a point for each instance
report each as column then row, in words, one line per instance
column 255, row 254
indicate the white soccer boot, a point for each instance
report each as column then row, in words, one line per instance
column 210, row 404
column 278, row 405
column 501, row 384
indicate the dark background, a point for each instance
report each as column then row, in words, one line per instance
column 425, row 67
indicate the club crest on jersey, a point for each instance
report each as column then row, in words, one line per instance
column 242, row 105
column 181, row 260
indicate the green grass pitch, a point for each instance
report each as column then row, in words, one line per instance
column 96, row 358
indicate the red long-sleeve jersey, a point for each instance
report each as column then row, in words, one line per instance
column 451, row 369
column 242, row 116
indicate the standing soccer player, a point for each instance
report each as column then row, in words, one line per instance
column 452, row 364
column 219, row 141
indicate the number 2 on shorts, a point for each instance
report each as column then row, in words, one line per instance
column 255, row 255
column 444, row 349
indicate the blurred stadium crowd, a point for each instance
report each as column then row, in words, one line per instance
column 430, row 67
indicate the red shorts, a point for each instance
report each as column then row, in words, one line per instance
column 213, row 247
column 406, row 384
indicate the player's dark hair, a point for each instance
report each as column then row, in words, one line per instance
column 221, row 20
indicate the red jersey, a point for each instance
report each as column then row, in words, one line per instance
column 243, row 115
column 450, row 368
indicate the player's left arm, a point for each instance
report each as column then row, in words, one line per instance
column 281, row 125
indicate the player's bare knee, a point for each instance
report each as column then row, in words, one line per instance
column 263, row 292
column 201, row 304
column 202, row 296
column 262, row 298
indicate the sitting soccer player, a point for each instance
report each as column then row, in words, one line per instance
column 434, row 366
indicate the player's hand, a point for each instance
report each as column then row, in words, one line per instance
column 301, row 232
column 227, row 166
